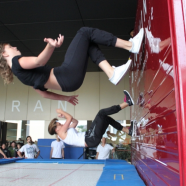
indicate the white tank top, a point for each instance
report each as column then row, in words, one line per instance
column 75, row 138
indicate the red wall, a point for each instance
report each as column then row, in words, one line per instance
column 154, row 86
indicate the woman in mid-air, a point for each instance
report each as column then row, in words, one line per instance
column 68, row 134
column 69, row 76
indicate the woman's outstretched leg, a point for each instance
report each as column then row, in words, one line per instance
column 96, row 36
column 82, row 46
column 114, row 74
column 102, row 121
column 103, row 118
column 120, row 43
column 128, row 101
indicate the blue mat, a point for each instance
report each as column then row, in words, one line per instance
column 12, row 160
column 61, row 161
column 119, row 173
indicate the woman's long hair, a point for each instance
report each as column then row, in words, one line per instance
column 52, row 127
column 5, row 70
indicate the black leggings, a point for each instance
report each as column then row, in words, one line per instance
column 71, row 73
column 99, row 125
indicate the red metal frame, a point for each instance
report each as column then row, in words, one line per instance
column 177, row 16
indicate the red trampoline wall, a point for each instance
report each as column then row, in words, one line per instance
column 157, row 79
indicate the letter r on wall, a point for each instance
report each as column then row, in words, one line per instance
column 15, row 104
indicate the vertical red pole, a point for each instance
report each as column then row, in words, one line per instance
column 177, row 16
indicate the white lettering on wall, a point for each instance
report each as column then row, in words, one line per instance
column 60, row 104
column 15, row 104
column 38, row 106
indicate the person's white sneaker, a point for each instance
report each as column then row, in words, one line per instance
column 119, row 72
column 136, row 41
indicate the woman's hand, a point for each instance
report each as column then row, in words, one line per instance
column 65, row 115
column 55, row 43
column 60, row 113
column 61, row 116
column 72, row 99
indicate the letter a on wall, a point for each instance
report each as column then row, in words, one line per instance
column 38, row 106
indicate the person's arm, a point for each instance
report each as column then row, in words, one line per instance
column 113, row 150
column 51, row 152
column 68, row 117
column 3, row 153
column 63, row 154
column 37, row 150
column 97, row 150
column 97, row 154
column 74, row 123
column 19, row 154
column 37, row 154
column 44, row 56
column 50, row 95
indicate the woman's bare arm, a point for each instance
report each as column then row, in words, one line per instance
column 51, row 152
column 63, row 154
column 44, row 56
column 68, row 118
column 97, row 154
column 74, row 123
column 50, row 95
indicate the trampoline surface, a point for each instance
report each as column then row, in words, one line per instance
column 46, row 174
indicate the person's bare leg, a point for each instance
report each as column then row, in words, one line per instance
column 125, row 129
column 107, row 68
column 123, row 105
column 120, row 43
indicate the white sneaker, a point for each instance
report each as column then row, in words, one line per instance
column 136, row 42
column 119, row 72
